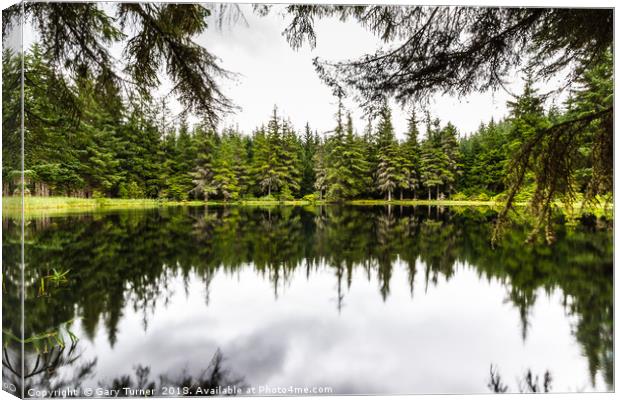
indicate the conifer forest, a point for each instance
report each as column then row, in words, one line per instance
column 88, row 135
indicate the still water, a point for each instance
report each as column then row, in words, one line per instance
column 340, row 300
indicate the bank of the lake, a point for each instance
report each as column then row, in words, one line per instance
column 34, row 205
column 12, row 204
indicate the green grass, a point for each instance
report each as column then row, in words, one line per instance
column 11, row 206
column 427, row 202
column 259, row 202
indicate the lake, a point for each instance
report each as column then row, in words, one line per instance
column 334, row 300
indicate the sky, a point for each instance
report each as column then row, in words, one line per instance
column 272, row 73
column 269, row 72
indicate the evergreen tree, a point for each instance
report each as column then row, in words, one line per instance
column 309, row 149
column 100, row 140
column 263, row 163
column 203, row 174
column 241, row 162
column 347, row 169
column 390, row 162
column 320, row 169
column 593, row 144
column 224, row 173
column 169, row 171
column 410, row 150
column 449, row 168
column 290, row 164
column 369, row 141
column 358, row 169
column 484, row 159
column 432, row 159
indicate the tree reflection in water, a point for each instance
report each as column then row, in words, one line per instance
column 530, row 383
column 60, row 368
column 214, row 380
column 55, row 369
column 130, row 258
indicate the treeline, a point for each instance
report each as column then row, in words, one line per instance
column 129, row 148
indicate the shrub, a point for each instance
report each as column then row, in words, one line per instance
column 482, row 197
column 458, row 196
column 285, row 194
column 267, row 198
column 312, row 197
column 500, row 198
column 134, row 191
column 122, row 191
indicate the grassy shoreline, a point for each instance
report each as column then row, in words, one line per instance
column 51, row 203
column 11, row 205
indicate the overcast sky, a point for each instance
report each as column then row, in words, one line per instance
column 271, row 73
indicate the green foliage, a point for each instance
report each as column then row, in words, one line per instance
column 389, row 171
column 276, row 160
column 129, row 149
column 77, row 38
column 343, row 171
column 548, row 147
column 310, row 144
column 410, row 153
column 429, row 53
column 312, row 197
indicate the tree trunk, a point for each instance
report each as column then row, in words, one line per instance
column 401, row 194
column 413, row 194
column 269, row 190
column 389, row 195
column 429, row 194
column 437, row 196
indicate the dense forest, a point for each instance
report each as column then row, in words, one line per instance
column 133, row 148
column 102, row 133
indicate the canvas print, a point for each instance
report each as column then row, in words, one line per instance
column 306, row 199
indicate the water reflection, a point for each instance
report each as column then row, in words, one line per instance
column 136, row 263
column 530, row 383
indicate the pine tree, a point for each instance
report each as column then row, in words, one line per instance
column 241, row 162
column 290, row 164
column 335, row 168
column 276, row 161
column 432, row 159
column 593, row 155
column 356, row 166
column 100, row 165
column 320, row 169
column 389, row 169
column 169, row 171
column 224, row 174
column 203, row 174
column 410, row 150
column 262, row 163
column 53, row 147
column 309, row 148
column 450, row 157
column 347, row 169
column 369, row 142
